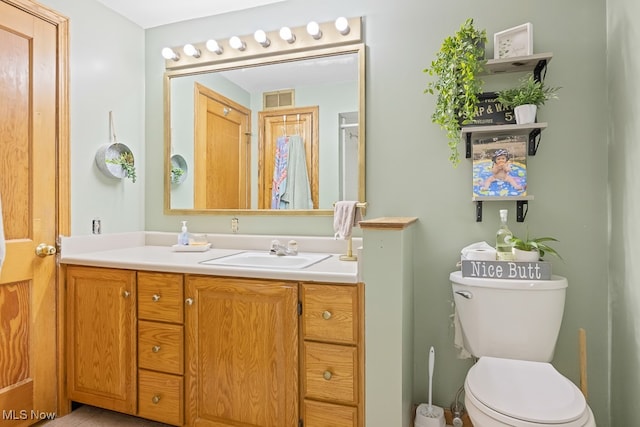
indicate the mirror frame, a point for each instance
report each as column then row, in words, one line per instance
column 276, row 58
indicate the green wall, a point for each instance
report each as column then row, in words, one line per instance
column 623, row 67
column 106, row 73
column 408, row 173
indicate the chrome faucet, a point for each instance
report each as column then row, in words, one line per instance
column 281, row 250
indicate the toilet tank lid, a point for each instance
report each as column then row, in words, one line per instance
column 528, row 391
column 556, row 282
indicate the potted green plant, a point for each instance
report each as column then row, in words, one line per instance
column 525, row 98
column 456, row 67
column 176, row 174
column 532, row 249
column 125, row 159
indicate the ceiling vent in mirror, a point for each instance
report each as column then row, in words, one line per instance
column 278, row 99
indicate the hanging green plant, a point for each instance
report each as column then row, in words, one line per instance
column 456, row 67
column 126, row 161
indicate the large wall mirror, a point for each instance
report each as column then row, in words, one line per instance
column 281, row 134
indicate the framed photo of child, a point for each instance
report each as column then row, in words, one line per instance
column 499, row 166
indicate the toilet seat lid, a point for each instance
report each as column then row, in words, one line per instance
column 528, row 391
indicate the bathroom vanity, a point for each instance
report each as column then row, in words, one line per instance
column 158, row 334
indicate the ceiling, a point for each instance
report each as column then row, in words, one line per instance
column 170, row 11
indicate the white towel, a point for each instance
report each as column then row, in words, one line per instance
column 346, row 215
column 2, row 245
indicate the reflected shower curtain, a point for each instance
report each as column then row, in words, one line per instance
column 293, row 187
column 281, row 162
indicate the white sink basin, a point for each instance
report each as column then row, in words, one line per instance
column 266, row 260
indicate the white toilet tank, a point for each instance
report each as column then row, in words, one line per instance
column 509, row 319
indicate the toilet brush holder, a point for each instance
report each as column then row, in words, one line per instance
column 429, row 418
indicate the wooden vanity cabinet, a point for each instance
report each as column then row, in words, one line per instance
column 161, row 347
column 100, row 337
column 332, row 355
column 241, row 352
column 215, row 351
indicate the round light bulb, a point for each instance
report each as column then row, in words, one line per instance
column 261, row 37
column 236, row 43
column 191, row 50
column 314, row 30
column 342, row 25
column 168, row 53
column 287, row 35
column 213, row 46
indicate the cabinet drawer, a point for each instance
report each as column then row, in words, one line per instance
column 160, row 347
column 330, row 372
column 330, row 313
column 160, row 397
column 322, row 414
column 160, row 297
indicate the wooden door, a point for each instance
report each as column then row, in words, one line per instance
column 241, row 353
column 34, row 192
column 274, row 124
column 222, row 171
column 101, row 337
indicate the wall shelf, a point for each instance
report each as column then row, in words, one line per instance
column 536, row 63
column 534, row 130
column 522, row 205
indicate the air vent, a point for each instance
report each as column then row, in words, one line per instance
column 279, row 99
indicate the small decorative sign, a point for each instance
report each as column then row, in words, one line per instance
column 514, row 270
column 490, row 112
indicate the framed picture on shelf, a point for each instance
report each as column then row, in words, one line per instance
column 512, row 42
column 499, row 165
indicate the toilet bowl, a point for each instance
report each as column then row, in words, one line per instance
column 511, row 326
column 517, row 393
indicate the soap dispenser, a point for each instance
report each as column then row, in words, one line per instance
column 183, row 237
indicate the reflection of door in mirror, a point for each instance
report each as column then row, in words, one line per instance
column 222, row 166
column 277, row 124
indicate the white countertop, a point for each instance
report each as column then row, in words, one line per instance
column 152, row 251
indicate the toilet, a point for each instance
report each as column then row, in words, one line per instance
column 511, row 326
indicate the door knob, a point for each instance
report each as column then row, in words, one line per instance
column 43, row 250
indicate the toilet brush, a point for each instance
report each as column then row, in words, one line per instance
column 432, row 361
column 430, row 415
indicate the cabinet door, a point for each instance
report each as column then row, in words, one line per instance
column 101, row 343
column 241, row 352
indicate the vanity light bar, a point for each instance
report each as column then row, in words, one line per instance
column 269, row 43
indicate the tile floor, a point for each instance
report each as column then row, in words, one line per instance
column 89, row 416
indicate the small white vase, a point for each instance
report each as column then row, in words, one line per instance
column 527, row 256
column 525, row 114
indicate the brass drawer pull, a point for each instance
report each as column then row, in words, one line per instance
column 126, row 294
column 326, row 315
column 327, row 375
column 155, row 348
column 155, row 297
column 155, row 399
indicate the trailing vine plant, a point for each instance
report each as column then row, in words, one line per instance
column 456, row 68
